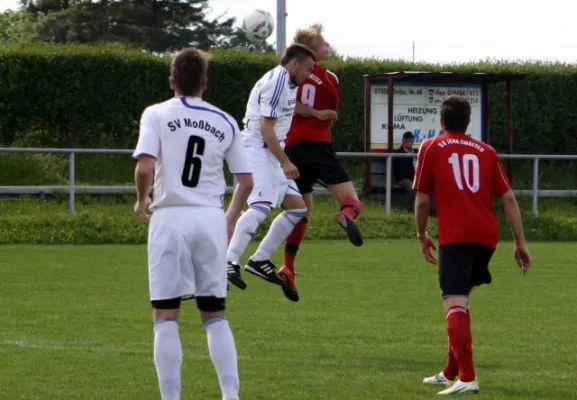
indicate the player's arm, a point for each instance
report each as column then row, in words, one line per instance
column 502, row 189
column 146, row 153
column 238, row 165
column 270, row 109
column 513, row 214
column 267, row 129
column 422, row 184
column 306, row 111
column 422, row 207
column 309, row 112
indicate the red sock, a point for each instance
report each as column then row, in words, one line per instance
column 351, row 207
column 451, row 370
column 293, row 241
column 459, row 329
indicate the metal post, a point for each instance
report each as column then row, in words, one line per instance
column 72, row 178
column 535, row 186
column 389, row 185
column 281, row 15
column 413, row 51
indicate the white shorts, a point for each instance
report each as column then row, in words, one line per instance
column 187, row 253
column 270, row 182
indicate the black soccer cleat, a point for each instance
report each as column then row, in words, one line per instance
column 265, row 270
column 353, row 231
column 289, row 287
column 234, row 276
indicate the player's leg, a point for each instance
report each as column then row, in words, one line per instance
column 167, row 347
column 209, row 259
column 455, row 276
column 260, row 203
column 295, row 238
column 335, row 178
column 260, row 263
column 300, row 155
column 168, row 258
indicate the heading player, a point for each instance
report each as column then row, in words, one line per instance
column 269, row 113
column 183, row 143
column 465, row 176
column 309, row 148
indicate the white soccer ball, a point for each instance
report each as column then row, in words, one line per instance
column 258, row 25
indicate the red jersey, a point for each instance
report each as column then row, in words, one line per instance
column 464, row 177
column 320, row 91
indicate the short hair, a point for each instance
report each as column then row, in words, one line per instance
column 456, row 113
column 408, row 135
column 297, row 52
column 188, row 68
column 309, row 36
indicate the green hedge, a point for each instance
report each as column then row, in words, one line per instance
column 81, row 96
column 110, row 220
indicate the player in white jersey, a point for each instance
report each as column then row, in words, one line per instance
column 268, row 118
column 182, row 145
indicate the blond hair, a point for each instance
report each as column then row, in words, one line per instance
column 309, row 36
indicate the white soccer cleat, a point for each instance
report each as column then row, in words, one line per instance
column 438, row 379
column 461, row 388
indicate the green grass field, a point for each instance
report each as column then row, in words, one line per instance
column 77, row 325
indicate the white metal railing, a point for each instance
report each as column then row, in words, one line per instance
column 72, row 189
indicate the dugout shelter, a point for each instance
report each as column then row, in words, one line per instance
column 397, row 102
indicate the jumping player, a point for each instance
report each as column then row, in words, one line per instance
column 269, row 112
column 309, row 148
column 182, row 145
column 465, row 176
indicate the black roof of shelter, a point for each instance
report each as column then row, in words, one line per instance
column 456, row 77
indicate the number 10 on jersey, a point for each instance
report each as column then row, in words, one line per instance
column 192, row 161
column 470, row 170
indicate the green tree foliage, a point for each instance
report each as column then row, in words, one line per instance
column 154, row 25
column 16, row 27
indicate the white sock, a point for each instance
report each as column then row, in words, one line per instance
column 245, row 229
column 279, row 230
column 223, row 354
column 167, row 358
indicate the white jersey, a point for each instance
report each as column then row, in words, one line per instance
column 190, row 140
column 273, row 96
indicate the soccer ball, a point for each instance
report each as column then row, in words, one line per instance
column 258, row 25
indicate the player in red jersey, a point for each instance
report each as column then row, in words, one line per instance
column 309, row 148
column 465, row 176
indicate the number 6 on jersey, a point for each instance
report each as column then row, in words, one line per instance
column 470, row 164
column 193, row 163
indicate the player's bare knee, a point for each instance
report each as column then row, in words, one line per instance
column 455, row 301
column 343, row 191
column 210, row 307
column 294, row 203
column 206, row 316
column 166, row 309
column 309, row 203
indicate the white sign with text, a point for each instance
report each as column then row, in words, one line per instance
column 417, row 109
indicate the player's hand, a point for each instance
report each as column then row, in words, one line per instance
column 523, row 257
column 140, row 208
column 290, row 170
column 326, row 115
column 426, row 246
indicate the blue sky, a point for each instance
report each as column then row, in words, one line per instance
column 443, row 30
